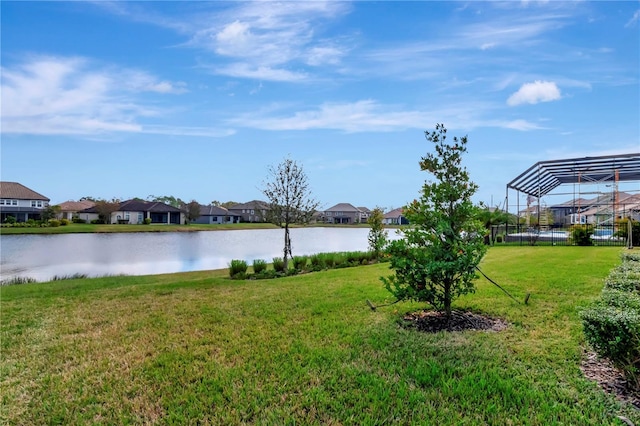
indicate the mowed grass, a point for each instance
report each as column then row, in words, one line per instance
column 198, row 348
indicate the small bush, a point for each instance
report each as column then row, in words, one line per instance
column 76, row 219
column 278, row 264
column 97, row 222
column 64, row 222
column 147, row 221
column 54, row 223
column 300, row 262
column 10, row 219
column 612, row 327
column 259, row 266
column 238, row 269
column 581, row 235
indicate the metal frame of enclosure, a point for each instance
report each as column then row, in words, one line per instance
column 545, row 176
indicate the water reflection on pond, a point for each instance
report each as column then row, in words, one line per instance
column 45, row 256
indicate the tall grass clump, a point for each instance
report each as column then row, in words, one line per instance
column 300, row 262
column 278, row 264
column 238, row 269
column 76, row 276
column 259, row 266
column 17, row 281
column 612, row 323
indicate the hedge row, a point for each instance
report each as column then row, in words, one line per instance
column 612, row 323
column 299, row 264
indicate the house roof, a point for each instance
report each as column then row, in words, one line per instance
column 344, row 207
column 254, row 204
column 544, row 176
column 17, row 191
column 364, row 209
column 141, row 206
column 76, row 206
column 393, row 213
column 214, row 211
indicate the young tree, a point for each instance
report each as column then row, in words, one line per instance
column 290, row 201
column 436, row 260
column 191, row 211
column 106, row 208
column 377, row 235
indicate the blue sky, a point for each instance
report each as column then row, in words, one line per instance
column 197, row 99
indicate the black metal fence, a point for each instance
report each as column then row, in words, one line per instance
column 597, row 235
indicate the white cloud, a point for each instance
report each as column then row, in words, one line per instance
column 634, row 19
column 371, row 116
column 261, row 38
column 70, row 96
column 533, row 93
column 244, row 70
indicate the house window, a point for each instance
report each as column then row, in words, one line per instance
column 14, row 202
column 140, row 217
column 328, row 213
column 215, row 219
column 33, row 203
column 253, row 211
column 126, row 215
column 1, row 202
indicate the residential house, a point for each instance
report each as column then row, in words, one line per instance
column 364, row 216
column 216, row 215
column 395, row 217
column 253, row 211
column 136, row 211
column 343, row 213
column 70, row 209
column 606, row 209
column 567, row 213
column 20, row 202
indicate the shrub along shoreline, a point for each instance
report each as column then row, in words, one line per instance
column 239, row 269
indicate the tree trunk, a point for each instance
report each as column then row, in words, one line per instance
column 447, row 300
column 287, row 247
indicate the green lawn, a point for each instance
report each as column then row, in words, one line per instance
column 198, row 348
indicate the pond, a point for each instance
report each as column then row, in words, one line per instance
column 44, row 256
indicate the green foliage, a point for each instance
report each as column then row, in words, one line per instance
column 435, row 261
column 49, row 212
column 377, row 235
column 17, row 281
column 10, row 219
column 581, row 235
column 64, row 222
column 238, row 269
column 612, row 327
column 191, row 211
column 612, row 323
column 259, row 266
column 300, row 262
column 146, row 221
column 623, row 230
column 54, row 223
column 76, row 219
column 278, row 264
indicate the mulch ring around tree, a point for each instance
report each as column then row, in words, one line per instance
column 609, row 379
column 433, row 321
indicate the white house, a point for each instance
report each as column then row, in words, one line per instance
column 20, row 202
